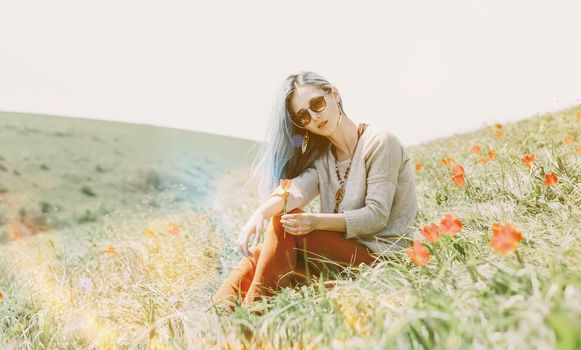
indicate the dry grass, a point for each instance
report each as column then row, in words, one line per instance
column 152, row 289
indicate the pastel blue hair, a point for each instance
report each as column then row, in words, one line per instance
column 279, row 156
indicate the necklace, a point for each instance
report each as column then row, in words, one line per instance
column 341, row 191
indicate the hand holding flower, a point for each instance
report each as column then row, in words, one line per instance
column 299, row 224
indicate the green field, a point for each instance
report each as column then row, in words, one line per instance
column 60, row 172
column 144, row 279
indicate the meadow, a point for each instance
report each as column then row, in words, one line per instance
column 496, row 264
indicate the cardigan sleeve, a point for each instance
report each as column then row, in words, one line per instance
column 304, row 188
column 383, row 164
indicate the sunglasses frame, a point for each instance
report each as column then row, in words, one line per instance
column 292, row 117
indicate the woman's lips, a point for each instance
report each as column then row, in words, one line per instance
column 323, row 124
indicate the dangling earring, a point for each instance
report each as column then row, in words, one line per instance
column 305, row 142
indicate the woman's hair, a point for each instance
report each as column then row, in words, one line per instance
column 279, row 156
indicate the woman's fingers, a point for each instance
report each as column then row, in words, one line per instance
column 259, row 233
column 297, row 224
column 245, row 246
column 264, row 228
column 289, row 223
column 295, row 230
column 257, row 238
column 242, row 243
column 292, row 225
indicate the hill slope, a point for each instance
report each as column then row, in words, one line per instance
column 148, row 279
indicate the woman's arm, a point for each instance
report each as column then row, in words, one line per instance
column 272, row 206
column 304, row 188
column 330, row 222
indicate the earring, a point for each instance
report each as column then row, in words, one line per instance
column 305, row 142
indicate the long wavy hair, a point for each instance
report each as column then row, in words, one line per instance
column 279, row 156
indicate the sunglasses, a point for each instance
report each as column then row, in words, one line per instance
column 303, row 117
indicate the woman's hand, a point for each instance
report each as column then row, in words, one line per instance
column 299, row 224
column 256, row 225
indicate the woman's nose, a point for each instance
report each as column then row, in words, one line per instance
column 314, row 115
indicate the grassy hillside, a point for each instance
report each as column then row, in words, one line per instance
column 58, row 172
column 146, row 280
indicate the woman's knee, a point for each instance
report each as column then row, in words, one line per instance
column 255, row 250
column 250, row 262
column 276, row 224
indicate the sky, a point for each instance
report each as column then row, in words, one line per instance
column 423, row 69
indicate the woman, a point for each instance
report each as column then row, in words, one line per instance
column 362, row 174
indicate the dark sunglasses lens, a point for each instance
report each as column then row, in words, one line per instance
column 318, row 104
column 304, row 119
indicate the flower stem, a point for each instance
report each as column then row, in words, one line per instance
column 284, row 211
column 519, row 258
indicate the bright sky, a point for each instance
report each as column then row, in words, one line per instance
column 424, row 69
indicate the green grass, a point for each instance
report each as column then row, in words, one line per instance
column 58, row 172
column 64, row 291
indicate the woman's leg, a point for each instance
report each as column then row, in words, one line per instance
column 321, row 251
column 236, row 285
column 279, row 263
column 278, row 258
column 301, row 275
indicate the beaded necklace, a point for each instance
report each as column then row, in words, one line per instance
column 341, row 191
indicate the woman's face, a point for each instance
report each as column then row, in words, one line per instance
column 299, row 102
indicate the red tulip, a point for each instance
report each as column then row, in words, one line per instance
column 476, row 149
column 550, row 179
column 505, row 238
column 458, row 177
column 529, row 160
column 458, row 170
column 418, row 253
column 458, row 180
column 285, row 184
column 431, row 232
column 450, row 225
column 447, row 161
column 419, row 166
